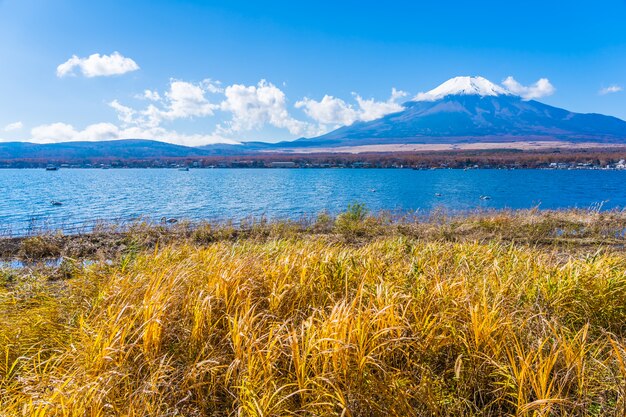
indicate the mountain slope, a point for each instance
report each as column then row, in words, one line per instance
column 472, row 109
column 122, row 149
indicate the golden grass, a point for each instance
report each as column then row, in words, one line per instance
column 312, row 326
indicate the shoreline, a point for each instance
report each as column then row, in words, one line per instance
column 470, row 146
column 571, row 227
column 473, row 156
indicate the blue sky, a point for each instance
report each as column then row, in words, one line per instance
column 249, row 70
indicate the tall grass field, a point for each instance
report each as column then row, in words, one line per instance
column 362, row 318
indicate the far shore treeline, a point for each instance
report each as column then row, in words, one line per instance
column 494, row 158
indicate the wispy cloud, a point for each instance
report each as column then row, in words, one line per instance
column 250, row 107
column 64, row 132
column 371, row 109
column 97, row 65
column 151, row 95
column 13, row 126
column 238, row 109
column 541, row 88
column 610, row 89
column 183, row 100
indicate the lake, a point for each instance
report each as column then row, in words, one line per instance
column 122, row 195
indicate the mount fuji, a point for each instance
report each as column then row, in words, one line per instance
column 474, row 110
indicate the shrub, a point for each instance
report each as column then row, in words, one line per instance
column 355, row 222
column 324, row 223
column 39, row 247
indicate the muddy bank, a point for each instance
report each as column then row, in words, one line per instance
column 570, row 229
column 94, row 245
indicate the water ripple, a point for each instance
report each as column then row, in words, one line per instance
column 124, row 194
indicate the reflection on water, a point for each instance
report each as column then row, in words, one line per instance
column 18, row 264
column 47, row 263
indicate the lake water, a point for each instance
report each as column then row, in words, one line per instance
column 121, row 195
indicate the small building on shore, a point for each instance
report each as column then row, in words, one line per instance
column 284, row 164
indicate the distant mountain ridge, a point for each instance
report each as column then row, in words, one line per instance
column 118, row 149
column 462, row 110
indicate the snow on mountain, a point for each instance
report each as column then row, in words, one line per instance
column 477, row 86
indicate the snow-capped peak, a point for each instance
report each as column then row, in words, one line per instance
column 478, row 86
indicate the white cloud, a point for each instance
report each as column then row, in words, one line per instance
column 55, row 132
column 183, row 100
column 172, row 136
column 63, row 132
column 242, row 108
column 13, row 126
column 124, row 113
column 151, row 95
column 372, row 109
column 331, row 112
column 99, row 131
column 213, row 86
column 250, row 107
column 610, row 89
column 97, row 65
column 541, row 88
column 187, row 100
column 254, row 106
